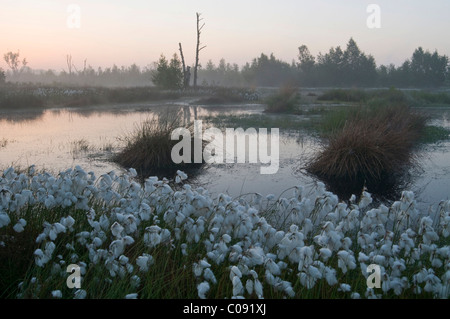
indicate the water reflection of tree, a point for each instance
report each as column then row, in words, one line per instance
column 21, row 117
column 187, row 116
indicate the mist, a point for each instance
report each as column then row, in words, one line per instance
column 348, row 67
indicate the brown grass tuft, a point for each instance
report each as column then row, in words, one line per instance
column 370, row 147
column 148, row 149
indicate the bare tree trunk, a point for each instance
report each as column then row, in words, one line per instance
column 69, row 63
column 184, row 66
column 182, row 58
column 199, row 29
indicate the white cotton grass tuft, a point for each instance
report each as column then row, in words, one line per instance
column 117, row 229
column 80, row 294
column 209, row 275
column 181, row 176
column 235, row 272
column 318, row 240
column 144, row 262
column 258, row 288
column 4, row 219
column 238, row 288
column 19, row 227
column 202, row 289
column 345, row 288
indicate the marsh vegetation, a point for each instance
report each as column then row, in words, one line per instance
column 160, row 241
column 139, row 236
column 148, row 149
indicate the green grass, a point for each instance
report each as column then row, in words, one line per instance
column 335, row 119
column 390, row 96
column 281, row 121
column 434, row 134
column 285, row 101
column 425, row 98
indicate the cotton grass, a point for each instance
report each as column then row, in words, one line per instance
column 191, row 245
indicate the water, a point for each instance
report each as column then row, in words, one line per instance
column 57, row 139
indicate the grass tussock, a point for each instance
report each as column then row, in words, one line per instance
column 372, row 144
column 285, row 101
column 148, row 149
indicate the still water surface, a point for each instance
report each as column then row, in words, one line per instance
column 57, row 139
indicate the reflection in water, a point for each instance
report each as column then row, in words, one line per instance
column 187, row 117
column 60, row 138
column 20, row 116
column 46, row 138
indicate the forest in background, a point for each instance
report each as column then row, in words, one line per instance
column 348, row 67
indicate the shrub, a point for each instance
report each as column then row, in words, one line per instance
column 2, row 76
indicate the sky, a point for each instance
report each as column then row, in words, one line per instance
column 123, row 32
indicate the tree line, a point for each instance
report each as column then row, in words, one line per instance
column 352, row 67
column 86, row 75
column 348, row 67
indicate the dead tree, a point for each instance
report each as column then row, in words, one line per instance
column 185, row 79
column 12, row 59
column 69, row 63
column 182, row 58
column 198, row 49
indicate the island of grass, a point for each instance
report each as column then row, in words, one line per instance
column 371, row 142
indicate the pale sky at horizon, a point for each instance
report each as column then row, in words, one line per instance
column 138, row 31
